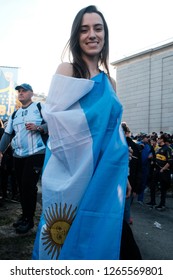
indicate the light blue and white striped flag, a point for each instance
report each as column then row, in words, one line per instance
column 85, row 172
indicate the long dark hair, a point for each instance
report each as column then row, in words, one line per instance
column 80, row 69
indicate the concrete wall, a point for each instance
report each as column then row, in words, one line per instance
column 145, row 88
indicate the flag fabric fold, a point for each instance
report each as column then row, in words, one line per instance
column 85, row 172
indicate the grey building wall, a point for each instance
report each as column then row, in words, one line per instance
column 145, row 88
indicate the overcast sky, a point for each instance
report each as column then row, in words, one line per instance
column 33, row 33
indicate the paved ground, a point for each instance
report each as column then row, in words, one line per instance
column 155, row 243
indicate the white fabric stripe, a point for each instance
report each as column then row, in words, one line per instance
column 70, row 166
column 66, row 91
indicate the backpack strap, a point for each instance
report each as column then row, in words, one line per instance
column 14, row 113
column 39, row 108
column 45, row 135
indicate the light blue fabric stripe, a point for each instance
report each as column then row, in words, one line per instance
column 96, row 231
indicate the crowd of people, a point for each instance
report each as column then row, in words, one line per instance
column 150, row 168
column 85, row 168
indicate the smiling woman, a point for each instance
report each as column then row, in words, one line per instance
column 85, row 175
column 88, row 44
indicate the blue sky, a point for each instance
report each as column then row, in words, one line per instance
column 34, row 32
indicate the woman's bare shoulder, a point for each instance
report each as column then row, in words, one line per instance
column 65, row 69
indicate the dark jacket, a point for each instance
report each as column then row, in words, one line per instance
column 135, row 166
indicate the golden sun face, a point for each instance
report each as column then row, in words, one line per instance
column 58, row 222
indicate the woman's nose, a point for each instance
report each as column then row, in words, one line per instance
column 92, row 33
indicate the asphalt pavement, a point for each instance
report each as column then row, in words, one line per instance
column 153, row 229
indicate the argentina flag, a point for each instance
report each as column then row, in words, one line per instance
column 85, row 172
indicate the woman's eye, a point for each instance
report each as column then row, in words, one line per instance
column 84, row 30
column 98, row 29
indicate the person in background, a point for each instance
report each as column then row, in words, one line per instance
column 146, row 155
column 8, row 185
column 154, row 147
column 161, row 173
column 85, row 171
column 135, row 172
column 24, row 133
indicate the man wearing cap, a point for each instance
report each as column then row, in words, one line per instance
column 24, row 129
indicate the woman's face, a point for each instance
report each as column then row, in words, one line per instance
column 92, row 34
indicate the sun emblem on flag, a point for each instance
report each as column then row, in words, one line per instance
column 58, row 222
